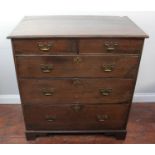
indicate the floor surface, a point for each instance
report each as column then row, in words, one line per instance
column 141, row 128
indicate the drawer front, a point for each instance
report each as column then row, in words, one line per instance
column 124, row 46
column 44, row 46
column 76, row 90
column 94, row 117
column 77, row 66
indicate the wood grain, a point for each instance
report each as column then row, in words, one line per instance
column 123, row 46
column 66, row 66
column 78, row 47
column 68, row 117
column 76, row 26
column 57, row 46
column 73, row 90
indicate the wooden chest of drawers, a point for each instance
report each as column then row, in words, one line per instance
column 76, row 74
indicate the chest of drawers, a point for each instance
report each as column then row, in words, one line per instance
column 76, row 74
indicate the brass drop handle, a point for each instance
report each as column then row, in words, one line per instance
column 50, row 118
column 48, row 91
column 102, row 118
column 45, row 47
column 77, row 107
column 110, row 46
column 108, row 68
column 105, row 91
column 46, row 68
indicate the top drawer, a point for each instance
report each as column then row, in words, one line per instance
column 111, row 45
column 44, row 46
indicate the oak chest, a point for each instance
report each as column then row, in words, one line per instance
column 76, row 74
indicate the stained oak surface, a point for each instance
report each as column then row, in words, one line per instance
column 80, row 36
column 80, row 90
column 56, row 46
column 119, row 46
column 76, row 117
column 141, row 127
column 75, row 26
column 68, row 66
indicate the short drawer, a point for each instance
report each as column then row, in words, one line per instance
column 76, row 90
column 76, row 117
column 44, row 46
column 77, row 66
column 110, row 45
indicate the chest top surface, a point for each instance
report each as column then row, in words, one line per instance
column 77, row 26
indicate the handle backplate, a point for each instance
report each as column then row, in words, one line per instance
column 77, row 107
column 76, row 81
column 44, row 46
column 105, row 91
column 50, row 118
column 46, row 68
column 110, row 46
column 102, row 118
column 77, row 59
column 108, row 67
column 48, row 91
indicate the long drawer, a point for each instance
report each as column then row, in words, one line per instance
column 111, row 45
column 77, row 66
column 98, row 117
column 76, row 90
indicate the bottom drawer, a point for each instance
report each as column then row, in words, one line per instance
column 75, row 117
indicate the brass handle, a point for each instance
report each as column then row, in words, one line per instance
column 108, row 68
column 77, row 107
column 105, row 92
column 102, row 118
column 48, row 91
column 46, row 68
column 110, row 46
column 77, row 60
column 50, row 118
column 45, row 47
